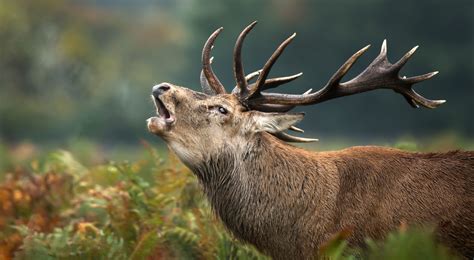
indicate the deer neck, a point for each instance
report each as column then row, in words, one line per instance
column 230, row 169
column 249, row 183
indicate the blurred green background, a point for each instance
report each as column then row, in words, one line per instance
column 82, row 71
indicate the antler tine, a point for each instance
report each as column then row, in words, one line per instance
column 379, row 74
column 211, row 78
column 415, row 99
column 294, row 139
column 238, row 66
column 268, row 66
column 275, row 82
column 399, row 64
column 383, row 49
column 416, row 79
column 269, row 83
column 296, row 129
column 342, row 71
column 252, row 75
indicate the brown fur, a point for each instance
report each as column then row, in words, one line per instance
column 288, row 201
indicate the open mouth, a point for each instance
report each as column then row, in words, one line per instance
column 162, row 111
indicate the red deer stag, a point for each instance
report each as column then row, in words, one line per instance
column 287, row 201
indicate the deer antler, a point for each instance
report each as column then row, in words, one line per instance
column 210, row 80
column 380, row 74
column 238, row 66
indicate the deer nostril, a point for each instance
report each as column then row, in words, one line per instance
column 160, row 89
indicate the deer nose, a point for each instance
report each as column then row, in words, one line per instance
column 160, row 89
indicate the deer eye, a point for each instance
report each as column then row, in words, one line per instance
column 222, row 110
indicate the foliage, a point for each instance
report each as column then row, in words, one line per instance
column 415, row 243
column 57, row 208
column 408, row 244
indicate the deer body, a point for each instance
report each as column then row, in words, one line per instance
column 289, row 209
column 288, row 201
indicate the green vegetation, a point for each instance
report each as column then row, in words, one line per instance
column 59, row 208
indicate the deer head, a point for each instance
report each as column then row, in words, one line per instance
column 195, row 124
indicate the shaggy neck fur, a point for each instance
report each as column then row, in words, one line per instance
column 249, row 188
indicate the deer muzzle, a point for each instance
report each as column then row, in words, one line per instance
column 164, row 118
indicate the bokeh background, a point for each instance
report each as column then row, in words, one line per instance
column 79, row 73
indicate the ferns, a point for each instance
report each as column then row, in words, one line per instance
column 150, row 209
column 60, row 209
column 67, row 243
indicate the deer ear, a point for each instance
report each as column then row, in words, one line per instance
column 274, row 122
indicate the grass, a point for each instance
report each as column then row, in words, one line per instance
column 57, row 207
